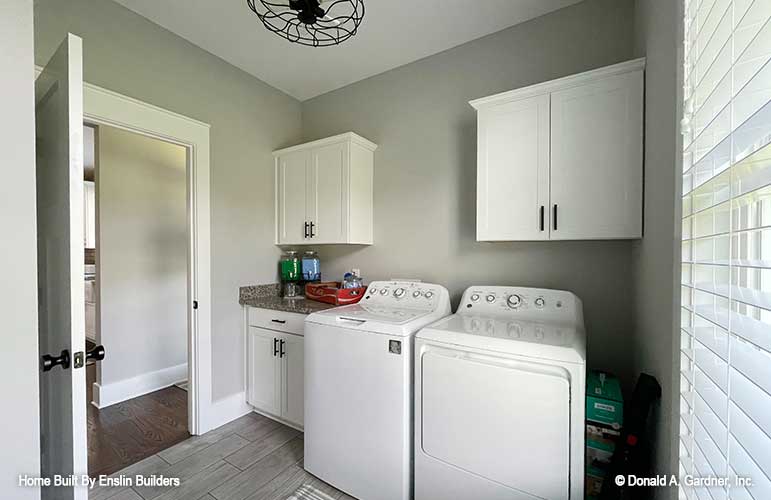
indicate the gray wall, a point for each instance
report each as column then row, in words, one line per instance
column 656, row 256
column 128, row 54
column 142, row 250
column 19, row 424
column 425, row 169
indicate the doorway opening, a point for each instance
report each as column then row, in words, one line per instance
column 137, row 242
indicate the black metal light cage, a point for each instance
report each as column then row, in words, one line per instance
column 310, row 22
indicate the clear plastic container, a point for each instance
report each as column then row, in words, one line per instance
column 311, row 267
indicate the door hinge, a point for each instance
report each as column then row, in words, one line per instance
column 195, row 304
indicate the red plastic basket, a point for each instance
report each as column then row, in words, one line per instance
column 331, row 293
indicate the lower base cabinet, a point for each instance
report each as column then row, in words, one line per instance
column 275, row 373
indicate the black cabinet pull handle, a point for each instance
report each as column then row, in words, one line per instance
column 312, row 235
column 555, row 216
column 47, row 362
column 281, row 354
column 275, row 346
column 542, row 218
column 306, row 229
column 280, row 321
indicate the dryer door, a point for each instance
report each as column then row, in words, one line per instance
column 504, row 419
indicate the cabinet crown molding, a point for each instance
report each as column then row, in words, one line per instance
column 348, row 136
column 559, row 83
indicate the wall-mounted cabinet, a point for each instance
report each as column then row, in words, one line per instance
column 563, row 160
column 324, row 192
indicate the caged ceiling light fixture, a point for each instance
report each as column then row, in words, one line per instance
column 317, row 23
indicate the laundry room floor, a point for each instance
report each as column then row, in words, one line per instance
column 252, row 458
column 130, row 431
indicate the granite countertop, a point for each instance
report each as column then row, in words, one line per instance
column 266, row 297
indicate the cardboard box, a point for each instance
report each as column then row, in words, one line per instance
column 604, row 419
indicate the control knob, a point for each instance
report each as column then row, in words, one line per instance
column 514, row 301
column 490, row 298
column 399, row 292
column 416, row 293
column 539, row 302
column 428, row 294
column 474, row 297
column 383, row 291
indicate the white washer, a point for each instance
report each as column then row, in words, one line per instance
column 358, row 388
column 499, row 398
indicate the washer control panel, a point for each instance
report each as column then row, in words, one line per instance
column 519, row 302
column 407, row 294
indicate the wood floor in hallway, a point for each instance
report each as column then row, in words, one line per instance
column 252, row 458
column 128, row 432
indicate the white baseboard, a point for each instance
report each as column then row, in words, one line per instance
column 109, row 394
column 226, row 410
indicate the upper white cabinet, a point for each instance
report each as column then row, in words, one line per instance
column 324, row 192
column 563, row 160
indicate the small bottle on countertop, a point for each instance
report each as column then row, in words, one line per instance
column 351, row 280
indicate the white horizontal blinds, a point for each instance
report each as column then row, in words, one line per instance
column 725, row 380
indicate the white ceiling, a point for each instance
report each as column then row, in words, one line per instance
column 393, row 33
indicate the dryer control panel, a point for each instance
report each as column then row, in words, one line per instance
column 405, row 294
column 522, row 303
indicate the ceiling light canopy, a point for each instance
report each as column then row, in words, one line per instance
column 317, row 23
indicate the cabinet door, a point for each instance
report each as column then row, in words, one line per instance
column 264, row 369
column 328, row 193
column 513, row 171
column 292, row 171
column 293, row 368
column 596, row 169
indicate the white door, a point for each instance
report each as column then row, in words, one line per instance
column 293, row 224
column 264, row 370
column 328, row 193
column 513, row 171
column 293, row 358
column 59, row 139
column 596, row 163
column 499, row 418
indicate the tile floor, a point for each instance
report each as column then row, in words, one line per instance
column 252, row 458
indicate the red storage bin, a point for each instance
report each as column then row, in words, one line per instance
column 331, row 293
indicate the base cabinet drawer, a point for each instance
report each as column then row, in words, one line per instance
column 275, row 373
column 277, row 320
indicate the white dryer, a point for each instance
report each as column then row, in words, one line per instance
column 499, row 398
column 358, row 388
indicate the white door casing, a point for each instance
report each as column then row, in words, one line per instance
column 105, row 107
column 61, row 314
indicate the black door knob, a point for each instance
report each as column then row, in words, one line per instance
column 97, row 353
column 47, row 362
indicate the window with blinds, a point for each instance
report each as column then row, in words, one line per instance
column 725, row 379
